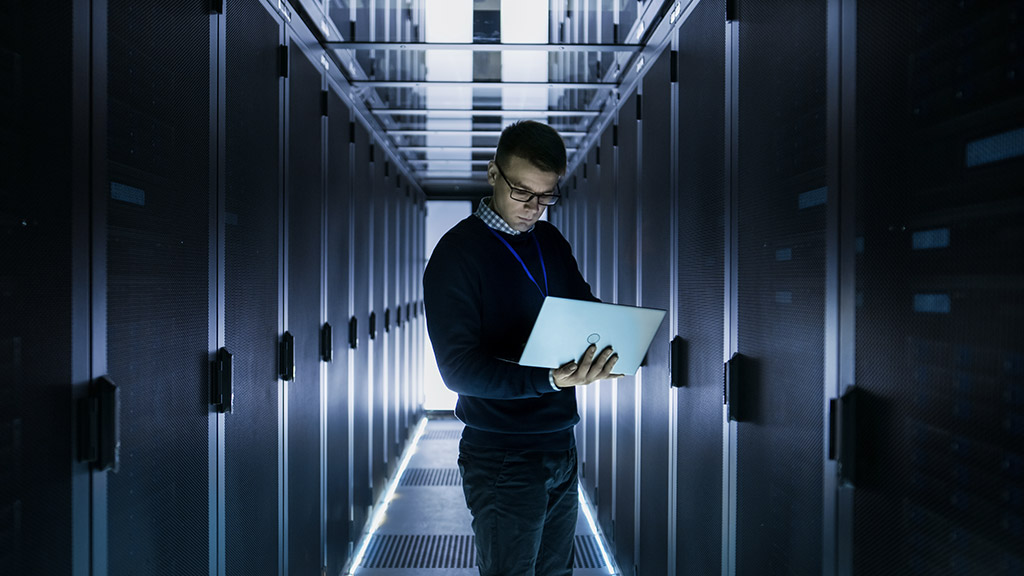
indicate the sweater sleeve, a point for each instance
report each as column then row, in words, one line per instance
column 452, row 296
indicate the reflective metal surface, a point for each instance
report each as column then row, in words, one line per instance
column 442, row 78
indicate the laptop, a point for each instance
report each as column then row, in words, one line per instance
column 565, row 328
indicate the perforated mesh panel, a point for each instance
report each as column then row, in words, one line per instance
column 655, row 245
column 626, row 205
column 158, row 284
column 362, row 189
column 251, row 305
column 781, row 224
column 35, row 288
column 605, row 290
column 701, row 287
column 940, row 468
column 339, row 229
column 305, row 205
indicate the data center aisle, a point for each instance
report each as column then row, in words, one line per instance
column 426, row 530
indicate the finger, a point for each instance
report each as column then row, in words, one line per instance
column 600, row 367
column 587, row 360
column 566, row 369
column 610, row 365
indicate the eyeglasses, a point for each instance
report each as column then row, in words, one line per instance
column 520, row 195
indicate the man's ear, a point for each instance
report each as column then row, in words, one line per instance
column 492, row 173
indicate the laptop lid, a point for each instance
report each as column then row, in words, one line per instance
column 565, row 328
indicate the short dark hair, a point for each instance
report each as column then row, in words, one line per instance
column 537, row 143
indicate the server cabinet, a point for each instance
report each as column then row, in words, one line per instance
column 605, row 290
column 780, row 198
column 338, row 393
column 44, row 275
column 700, row 300
column 590, row 258
column 253, row 309
column 391, row 322
column 159, row 328
column 378, row 337
column 362, row 397
column 626, row 458
column 936, row 468
column 655, row 237
column 303, row 222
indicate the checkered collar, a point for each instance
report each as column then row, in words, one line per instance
column 493, row 220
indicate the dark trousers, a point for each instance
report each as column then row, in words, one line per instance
column 524, row 506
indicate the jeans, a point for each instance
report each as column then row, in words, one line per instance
column 524, row 506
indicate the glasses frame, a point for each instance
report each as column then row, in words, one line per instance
column 530, row 195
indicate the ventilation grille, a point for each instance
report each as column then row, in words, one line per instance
column 442, row 435
column 588, row 554
column 451, row 551
column 420, row 551
column 431, row 477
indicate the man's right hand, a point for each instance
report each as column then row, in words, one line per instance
column 589, row 368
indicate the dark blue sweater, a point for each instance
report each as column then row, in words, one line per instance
column 480, row 307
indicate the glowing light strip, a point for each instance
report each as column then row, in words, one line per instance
column 585, row 505
column 389, row 493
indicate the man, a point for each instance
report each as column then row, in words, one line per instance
column 483, row 288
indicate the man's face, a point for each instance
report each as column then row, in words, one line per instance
column 523, row 175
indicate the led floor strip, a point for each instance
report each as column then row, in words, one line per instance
column 379, row 511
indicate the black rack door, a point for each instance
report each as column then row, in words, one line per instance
column 378, row 303
column 252, row 295
column 605, row 290
column 158, row 281
column 701, row 289
column 627, row 269
column 780, row 216
column 362, row 198
column 339, row 310
column 938, row 471
column 44, row 301
column 655, row 236
column 304, row 205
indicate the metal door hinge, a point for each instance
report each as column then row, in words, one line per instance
column 353, row 333
column 99, row 426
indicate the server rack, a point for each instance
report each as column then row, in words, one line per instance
column 934, row 349
column 253, row 309
column 198, row 221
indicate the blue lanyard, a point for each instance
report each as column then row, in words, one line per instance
column 543, row 292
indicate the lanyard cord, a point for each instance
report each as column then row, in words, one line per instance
column 544, row 269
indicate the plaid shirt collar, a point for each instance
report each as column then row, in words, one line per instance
column 491, row 218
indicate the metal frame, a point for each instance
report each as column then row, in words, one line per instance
column 98, row 259
column 215, row 324
column 730, row 429
column 88, row 173
column 460, row 113
column 481, row 84
column 840, row 319
column 482, row 47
